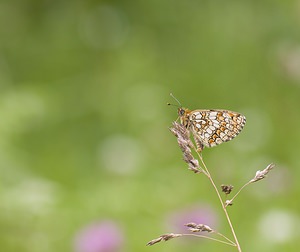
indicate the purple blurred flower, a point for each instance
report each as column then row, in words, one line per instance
column 199, row 214
column 105, row 236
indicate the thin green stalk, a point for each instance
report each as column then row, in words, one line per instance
column 221, row 201
column 240, row 191
column 210, row 238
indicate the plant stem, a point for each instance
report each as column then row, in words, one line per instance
column 248, row 183
column 233, row 244
column 221, row 201
column 210, row 238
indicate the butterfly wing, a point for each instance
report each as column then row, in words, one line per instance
column 213, row 127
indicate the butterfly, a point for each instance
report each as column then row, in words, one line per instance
column 211, row 127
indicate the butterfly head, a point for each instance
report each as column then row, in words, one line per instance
column 183, row 114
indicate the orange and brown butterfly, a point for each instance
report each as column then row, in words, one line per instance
column 211, row 127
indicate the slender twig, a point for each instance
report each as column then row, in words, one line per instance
column 167, row 237
column 221, row 201
column 231, row 200
column 213, row 239
column 258, row 176
column 220, row 234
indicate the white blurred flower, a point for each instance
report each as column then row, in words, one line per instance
column 278, row 226
column 289, row 60
column 33, row 196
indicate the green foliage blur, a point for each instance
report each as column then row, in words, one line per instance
column 84, row 124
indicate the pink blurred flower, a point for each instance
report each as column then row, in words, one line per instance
column 199, row 214
column 105, row 236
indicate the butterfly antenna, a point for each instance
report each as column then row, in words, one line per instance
column 175, row 100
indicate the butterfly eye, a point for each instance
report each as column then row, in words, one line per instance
column 181, row 111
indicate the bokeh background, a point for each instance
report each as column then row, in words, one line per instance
column 87, row 163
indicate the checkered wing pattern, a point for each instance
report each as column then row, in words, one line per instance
column 213, row 127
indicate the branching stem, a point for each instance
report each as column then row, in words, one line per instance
column 207, row 173
column 248, row 183
column 211, row 238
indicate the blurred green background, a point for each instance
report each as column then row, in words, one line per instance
column 84, row 135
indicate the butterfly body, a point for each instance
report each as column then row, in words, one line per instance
column 211, row 127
